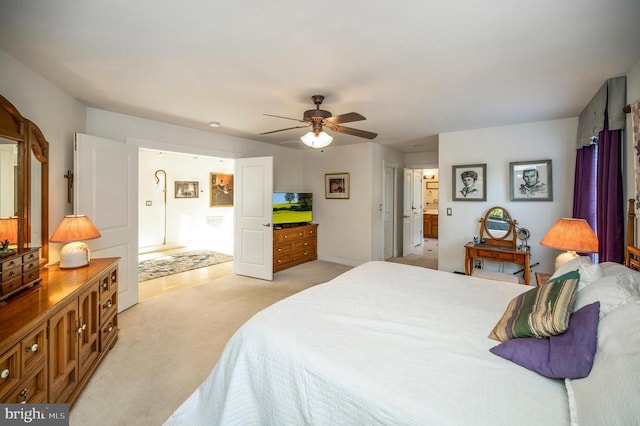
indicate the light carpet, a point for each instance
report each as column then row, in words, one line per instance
column 173, row 263
column 168, row 344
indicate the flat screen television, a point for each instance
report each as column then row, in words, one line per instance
column 292, row 208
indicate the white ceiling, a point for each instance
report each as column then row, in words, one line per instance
column 414, row 68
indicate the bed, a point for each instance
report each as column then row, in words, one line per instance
column 387, row 343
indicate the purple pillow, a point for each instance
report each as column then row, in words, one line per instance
column 568, row 355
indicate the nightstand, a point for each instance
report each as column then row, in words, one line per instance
column 542, row 277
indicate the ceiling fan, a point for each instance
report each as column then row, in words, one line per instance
column 319, row 118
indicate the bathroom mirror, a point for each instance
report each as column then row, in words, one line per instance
column 497, row 227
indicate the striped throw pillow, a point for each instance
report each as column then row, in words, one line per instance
column 540, row 312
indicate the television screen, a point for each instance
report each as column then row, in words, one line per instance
column 292, row 207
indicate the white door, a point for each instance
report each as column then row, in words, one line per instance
column 416, row 209
column 388, row 209
column 253, row 236
column 105, row 188
column 407, row 200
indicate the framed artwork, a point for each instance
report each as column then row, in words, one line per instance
column 187, row 189
column 530, row 181
column 431, row 185
column 469, row 182
column 336, row 185
column 221, row 190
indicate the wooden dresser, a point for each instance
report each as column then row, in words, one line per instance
column 54, row 335
column 18, row 271
column 293, row 246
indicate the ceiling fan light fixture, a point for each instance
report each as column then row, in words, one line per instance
column 323, row 139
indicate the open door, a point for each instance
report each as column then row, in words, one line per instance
column 388, row 210
column 253, row 235
column 416, row 209
column 407, row 201
column 105, row 188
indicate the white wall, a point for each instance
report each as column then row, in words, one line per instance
column 344, row 231
column 159, row 135
column 189, row 221
column 497, row 147
column 633, row 96
column 59, row 116
column 421, row 160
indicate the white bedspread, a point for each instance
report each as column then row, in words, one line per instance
column 384, row 344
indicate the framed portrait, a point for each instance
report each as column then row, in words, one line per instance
column 187, row 189
column 220, row 190
column 530, row 181
column 469, row 182
column 336, row 185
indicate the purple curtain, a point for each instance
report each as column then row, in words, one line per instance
column 609, row 198
column 584, row 190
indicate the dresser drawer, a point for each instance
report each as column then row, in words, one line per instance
column 108, row 332
column 10, row 371
column 31, row 257
column 10, row 274
column 10, row 286
column 292, row 234
column 497, row 255
column 31, row 266
column 32, row 389
column 10, row 263
column 34, row 348
column 108, row 305
column 282, row 258
column 306, row 254
column 308, row 242
column 281, row 249
column 108, row 282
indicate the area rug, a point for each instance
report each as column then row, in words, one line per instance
column 179, row 262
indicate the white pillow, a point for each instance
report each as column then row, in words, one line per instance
column 613, row 291
column 572, row 265
column 610, row 395
column 611, row 268
column 587, row 270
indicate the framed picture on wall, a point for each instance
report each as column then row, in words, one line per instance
column 221, row 190
column 531, row 181
column 187, row 189
column 336, row 185
column 469, row 182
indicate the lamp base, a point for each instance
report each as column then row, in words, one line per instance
column 564, row 258
column 74, row 255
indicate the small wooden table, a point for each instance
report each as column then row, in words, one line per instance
column 497, row 254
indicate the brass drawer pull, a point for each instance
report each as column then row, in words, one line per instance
column 24, row 394
column 109, row 327
column 32, row 348
column 108, row 304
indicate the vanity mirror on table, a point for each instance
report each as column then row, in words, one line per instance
column 498, row 242
column 56, row 324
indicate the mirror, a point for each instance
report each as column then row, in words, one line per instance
column 498, row 227
column 24, row 179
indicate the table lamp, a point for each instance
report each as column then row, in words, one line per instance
column 8, row 233
column 572, row 235
column 72, row 230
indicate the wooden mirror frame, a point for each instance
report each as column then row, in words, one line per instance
column 509, row 239
column 29, row 140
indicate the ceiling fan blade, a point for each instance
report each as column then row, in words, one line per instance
column 346, row 118
column 282, row 130
column 353, row 132
column 286, row 118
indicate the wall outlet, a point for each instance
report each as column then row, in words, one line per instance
column 477, row 263
column 148, row 203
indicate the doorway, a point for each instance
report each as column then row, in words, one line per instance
column 185, row 234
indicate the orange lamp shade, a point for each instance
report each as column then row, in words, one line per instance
column 9, row 229
column 572, row 235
